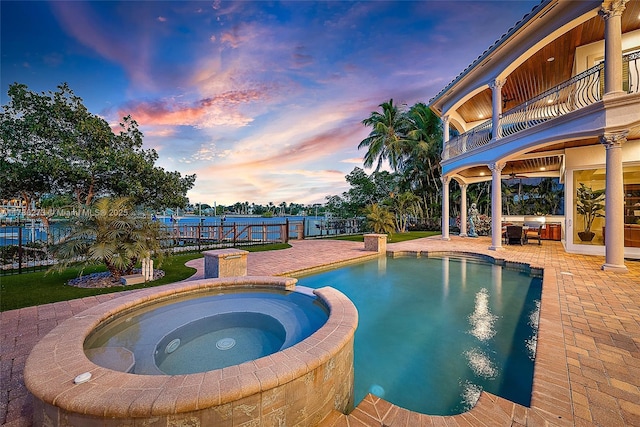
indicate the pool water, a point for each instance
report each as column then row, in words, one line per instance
column 219, row 341
column 434, row 332
column 208, row 330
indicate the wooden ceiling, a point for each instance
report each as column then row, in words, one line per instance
column 520, row 168
column 538, row 74
column 548, row 157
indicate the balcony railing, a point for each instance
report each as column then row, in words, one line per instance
column 631, row 67
column 578, row 92
column 476, row 137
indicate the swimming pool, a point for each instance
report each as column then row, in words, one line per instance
column 434, row 332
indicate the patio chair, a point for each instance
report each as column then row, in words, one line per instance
column 515, row 234
column 533, row 232
column 504, row 232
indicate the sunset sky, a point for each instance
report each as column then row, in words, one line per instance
column 263, row 100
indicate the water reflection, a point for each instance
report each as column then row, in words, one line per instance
column 531, row 343
column 470, row 395
column 463, row 273
column 482, row 320
column 382, row 265
column 482, row 323
column 445, row 277
column 496, row 281
column 481, row 364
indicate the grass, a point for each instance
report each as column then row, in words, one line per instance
column 29, row 289
column 394, row 238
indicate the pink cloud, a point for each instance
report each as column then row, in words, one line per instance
column 311, row 149
column 233, row 38
column 301, row 58
column 219, row 110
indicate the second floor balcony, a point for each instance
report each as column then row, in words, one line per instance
column 571, row 95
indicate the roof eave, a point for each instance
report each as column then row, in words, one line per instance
column 539, row 10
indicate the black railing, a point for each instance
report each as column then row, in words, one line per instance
column 578, row 92
column 631, row 70
column 24, row 247
column 574, row 94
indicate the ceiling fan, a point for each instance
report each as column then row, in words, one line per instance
column 514, row 175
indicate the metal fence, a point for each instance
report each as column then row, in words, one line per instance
column 25, row 247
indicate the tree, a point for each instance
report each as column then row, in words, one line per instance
column 380, row 219
column 386, row 141
column 110, row 232
column 403, row 206
column 411, row 141
column 336, row 205
column 368, row 189
column 421, row 167
column 51, row 144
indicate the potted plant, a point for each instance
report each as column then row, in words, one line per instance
column 590, row 205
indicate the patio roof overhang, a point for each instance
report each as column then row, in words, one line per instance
column 538, row 53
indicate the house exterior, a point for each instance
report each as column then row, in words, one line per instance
column 557, row 96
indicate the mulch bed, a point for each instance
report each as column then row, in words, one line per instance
column 105, row 280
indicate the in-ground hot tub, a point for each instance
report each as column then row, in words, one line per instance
column 202, row 332
column 140, row 357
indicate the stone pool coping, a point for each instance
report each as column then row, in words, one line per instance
column 59, row 357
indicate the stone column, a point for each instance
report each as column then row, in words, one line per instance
column 445, row 207
column 445, row 137
column 496, row 107
column 225, row 263
column 611, row 11
column 445, row 128
column 463, row 210
column 614, row 202
column 375, row 243
column 496, row 205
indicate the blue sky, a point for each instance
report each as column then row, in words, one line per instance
column 263, row 100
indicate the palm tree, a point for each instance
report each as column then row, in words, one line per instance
column 421, row 167
column 113, row 234
column 404, row 205
column 551, row 193
column 380, row 219
column 387, row 139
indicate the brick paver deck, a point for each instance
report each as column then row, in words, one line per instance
column 587, row 364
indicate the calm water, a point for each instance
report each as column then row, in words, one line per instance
column 210, row 330
column 434, row 332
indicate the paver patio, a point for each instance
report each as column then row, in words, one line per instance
column 587, row 364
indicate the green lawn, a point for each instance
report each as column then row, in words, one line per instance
column 394, row 238
column 29, row 289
